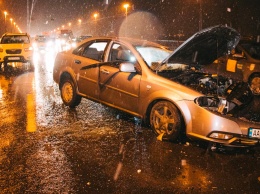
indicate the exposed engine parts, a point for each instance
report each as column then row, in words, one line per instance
column 222, row 95
column 205, row 83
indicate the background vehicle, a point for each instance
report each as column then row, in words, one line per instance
column 64, row 39
column 43, row 43
column 82, row 37
column 242, row 63
column 166, row 90
column 16, row 47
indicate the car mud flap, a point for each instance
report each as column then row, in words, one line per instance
column 163, row 137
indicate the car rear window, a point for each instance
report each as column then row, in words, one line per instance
column 253, row 50
column 14, row 39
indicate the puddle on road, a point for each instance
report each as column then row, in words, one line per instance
column 48, row 169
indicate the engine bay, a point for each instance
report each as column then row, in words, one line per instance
column 222, row 95
column 207, row 84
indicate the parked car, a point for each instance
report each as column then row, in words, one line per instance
column 166, row 89
column 16, row 47
column 242, row 63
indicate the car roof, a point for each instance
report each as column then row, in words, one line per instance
column 15, row 34
column 133, row 41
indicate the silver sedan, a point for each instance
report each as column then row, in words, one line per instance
column 166, row 89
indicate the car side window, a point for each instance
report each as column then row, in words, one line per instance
column 120, row 52
column 94, row 50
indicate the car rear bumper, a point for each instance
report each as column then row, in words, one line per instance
column 16, row 59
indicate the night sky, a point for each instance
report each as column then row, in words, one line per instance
column 173, row 17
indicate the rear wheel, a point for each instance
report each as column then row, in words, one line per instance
column 68, row 93
column 165, row 120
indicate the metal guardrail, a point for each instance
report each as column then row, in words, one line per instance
column 171, row 44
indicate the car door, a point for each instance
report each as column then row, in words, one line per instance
column 119, row 89
column 86, row 69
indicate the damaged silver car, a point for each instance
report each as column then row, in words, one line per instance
column 166, row 89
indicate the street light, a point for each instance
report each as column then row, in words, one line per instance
column 79, row 20
column 126, row 5
column 11, row 19
column 14, row 26
column 95, row 16
column 229, row 18
column 5, row 12
column 200, row 14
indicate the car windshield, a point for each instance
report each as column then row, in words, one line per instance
column 14, row 39
column 253, row 50
column 41, row 39
column 152, row 54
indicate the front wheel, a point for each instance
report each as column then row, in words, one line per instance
column 165, row 120
column 68, row 94
column 254, row 83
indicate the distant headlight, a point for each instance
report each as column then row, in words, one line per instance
column 34, row 45
column 73, row 44
column 219, row 135
column 28, row 49
column 49, row 43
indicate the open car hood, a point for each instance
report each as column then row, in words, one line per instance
column 205, row 46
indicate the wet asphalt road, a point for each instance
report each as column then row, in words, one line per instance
column 46, row 147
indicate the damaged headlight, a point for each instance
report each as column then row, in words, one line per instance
column 218, row 104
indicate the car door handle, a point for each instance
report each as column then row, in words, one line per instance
column 77, row 61
column 105, row 71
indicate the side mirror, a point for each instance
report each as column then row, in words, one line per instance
column 127, row 67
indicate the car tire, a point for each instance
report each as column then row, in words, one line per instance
column 31, row 65
column 68, row 93
column 253, row 82
column 165, row 120
column 5, row 66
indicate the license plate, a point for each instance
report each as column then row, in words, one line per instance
column 254, row 133
column 13, row 58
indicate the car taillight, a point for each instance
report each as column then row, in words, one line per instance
column 28, row 49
